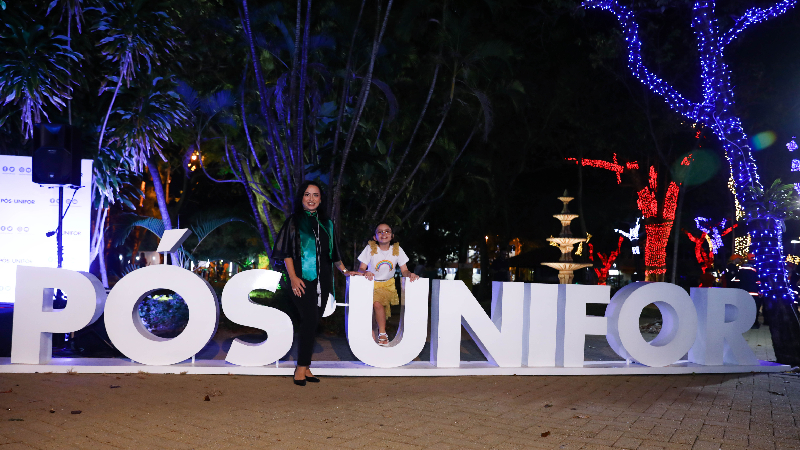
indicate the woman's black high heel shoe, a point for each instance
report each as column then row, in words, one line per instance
column 299, row 382
column 312, row 379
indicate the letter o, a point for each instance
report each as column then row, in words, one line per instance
column 678, row 330
column 129, row 335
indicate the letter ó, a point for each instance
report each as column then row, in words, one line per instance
column 125, row 328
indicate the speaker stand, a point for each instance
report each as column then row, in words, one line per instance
column 59, row 232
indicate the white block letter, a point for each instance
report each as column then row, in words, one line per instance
column 723, row 315
column 540, row 321
column 129, row 335
column 238, row 307
column 678, row 329
column 498, row 338
column 34, row 317
column 577, row 324
column 411, row 334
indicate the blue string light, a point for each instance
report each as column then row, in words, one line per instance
column 716, row 111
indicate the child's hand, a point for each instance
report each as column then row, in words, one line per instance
column 370, row 276
column 413, row 277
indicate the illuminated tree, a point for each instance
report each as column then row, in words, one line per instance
column 714, row 232
column 704, row 257
column 715, row 110
column 658, row 219
column 606, row 263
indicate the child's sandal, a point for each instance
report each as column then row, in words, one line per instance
column 383, row 339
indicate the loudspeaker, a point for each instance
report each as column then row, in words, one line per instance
column 56, row 155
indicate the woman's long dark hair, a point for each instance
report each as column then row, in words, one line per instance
column 322, row 209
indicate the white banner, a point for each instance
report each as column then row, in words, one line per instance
column 28, row 211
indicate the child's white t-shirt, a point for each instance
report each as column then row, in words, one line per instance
column 383, row 263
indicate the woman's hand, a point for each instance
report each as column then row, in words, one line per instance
column 370, row 276
column 413, row 277
column 298, row 287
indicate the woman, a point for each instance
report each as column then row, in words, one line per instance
column 307, row 248
column 378, row 261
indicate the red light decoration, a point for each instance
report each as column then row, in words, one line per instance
column 705, row 258
column 658, row 231
column 607, row 262
column 613, row 165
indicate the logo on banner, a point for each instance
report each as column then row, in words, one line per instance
column 66, row 202
column 10, row 228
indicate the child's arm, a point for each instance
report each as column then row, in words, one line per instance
column 407, row 273
column 363, row 269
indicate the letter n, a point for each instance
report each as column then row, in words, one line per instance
column 498, row 338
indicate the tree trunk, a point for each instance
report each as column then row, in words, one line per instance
column 676, row 239
column 102, row 264
column 158, row 187
column 779, row 308
column 767, row 246
column 110, row 107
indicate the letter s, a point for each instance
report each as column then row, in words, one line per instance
column 238, row 307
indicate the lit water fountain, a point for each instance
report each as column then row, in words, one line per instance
column 566, row 243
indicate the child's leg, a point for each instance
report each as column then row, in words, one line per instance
column 380, row 316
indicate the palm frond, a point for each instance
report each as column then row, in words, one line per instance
column 204, row 225
column 127, row 222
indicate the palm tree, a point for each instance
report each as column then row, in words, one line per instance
column 150, row 110
column 34, row 69
column 135, row 33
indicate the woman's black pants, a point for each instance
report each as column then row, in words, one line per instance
column 309, row 314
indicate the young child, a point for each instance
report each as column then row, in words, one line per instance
column 378, row 261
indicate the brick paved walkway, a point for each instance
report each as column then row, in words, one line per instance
column 170, row 411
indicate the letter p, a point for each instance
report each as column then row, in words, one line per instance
column 35, row 321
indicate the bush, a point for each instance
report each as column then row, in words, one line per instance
column 164, row 314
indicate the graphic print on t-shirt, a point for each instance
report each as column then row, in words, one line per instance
column 384, row 263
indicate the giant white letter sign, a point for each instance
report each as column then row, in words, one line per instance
column 576, row 323
column 540, row 324
column 411, row 334
column 238, row 307
column 129, row 335
column 498, row 338
column 723, row 315
column 34, row 318
column 678, row 329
